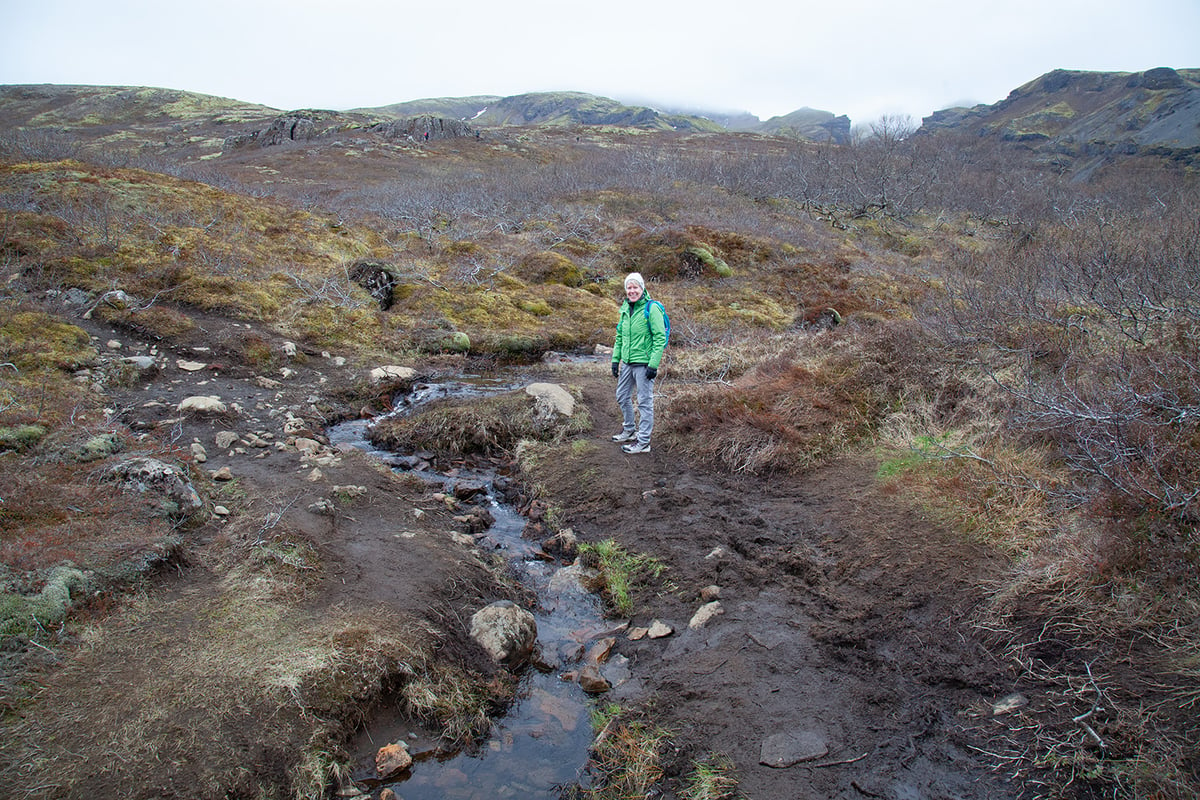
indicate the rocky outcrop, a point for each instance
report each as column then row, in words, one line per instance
column 424, row 128
column 1092, row 115
column 580, row 108
column 295, row 126
column 811, row 125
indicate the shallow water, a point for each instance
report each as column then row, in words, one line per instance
column 541, row 743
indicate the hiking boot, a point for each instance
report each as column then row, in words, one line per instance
column 625, row 436
column 637, row 447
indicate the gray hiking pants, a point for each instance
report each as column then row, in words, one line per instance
column 629, row 377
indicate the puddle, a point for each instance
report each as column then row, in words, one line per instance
column 541, row 743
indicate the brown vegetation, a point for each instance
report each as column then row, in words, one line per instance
column 1018, row 350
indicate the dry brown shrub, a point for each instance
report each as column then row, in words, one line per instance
column 476, row 426
column 52, row 513
column 798, row 408
column 669, row 255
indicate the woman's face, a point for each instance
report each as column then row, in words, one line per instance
column 633, row 291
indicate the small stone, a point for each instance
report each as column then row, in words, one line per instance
column 638, row 633
column 710, row 593
column 199, row 454
column 466, row 490
column 1009, row 703
column 315, row 475
column 392, row 372
column 392, row 758
column 659, row 630
column 141, row 363
column 553, row 397
column 705, row 613
column 222, row 474
column 599, row 652
column 505, row 631
column 221, row 511
column 307, row 445
column 190, row 366
column 591, row 681
column 617, row 671
column 113, row 344
column 225, row 439
column 203, row 404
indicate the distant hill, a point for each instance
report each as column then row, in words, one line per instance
column 548, row 108
column 810, row 124
column 579, row 108
column 461, row 108
column 65, row 107
column 1065, row 114
column 1091, row 114
column 188, row 118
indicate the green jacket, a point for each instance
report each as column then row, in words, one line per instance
column 640, row 341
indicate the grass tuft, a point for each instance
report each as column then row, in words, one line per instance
column 622, row 572
column 711, row 779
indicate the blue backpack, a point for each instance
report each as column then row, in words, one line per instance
column 666, row 319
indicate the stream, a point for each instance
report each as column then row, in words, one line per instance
column 541, row 743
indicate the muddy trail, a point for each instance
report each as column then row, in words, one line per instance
column 838, row 664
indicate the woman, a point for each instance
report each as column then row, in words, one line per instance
column 637, row 353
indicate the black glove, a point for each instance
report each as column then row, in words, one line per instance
column 616, row 369
column 651, row 373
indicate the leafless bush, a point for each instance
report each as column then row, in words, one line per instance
column 1092, row 326
column 336, row 290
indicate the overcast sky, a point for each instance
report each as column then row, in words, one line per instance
column 768, row 57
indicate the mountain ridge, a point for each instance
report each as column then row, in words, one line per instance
column 1082, row 113
column 1063, row 113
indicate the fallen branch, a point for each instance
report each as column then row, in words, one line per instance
column 838, row 763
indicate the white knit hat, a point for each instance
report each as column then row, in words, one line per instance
column 635, row 277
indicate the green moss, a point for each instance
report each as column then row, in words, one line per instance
column 98, row 447
column 537, row 307
column 27, row 616
column 1044, row 122
column 549, row 267
column 32, row 341
column 21, row 437
column 705, row 255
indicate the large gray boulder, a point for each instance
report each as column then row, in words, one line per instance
column 164, row 482
column 506, row 631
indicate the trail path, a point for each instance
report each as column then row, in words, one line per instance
column 841, row 644
column 842, row 626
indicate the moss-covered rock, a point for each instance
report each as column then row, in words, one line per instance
column 22, row 615
column 550, row 267
column 21, row 437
